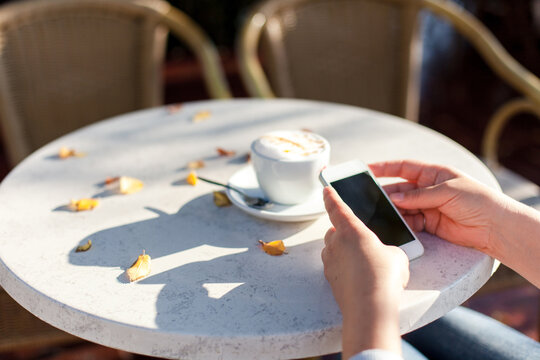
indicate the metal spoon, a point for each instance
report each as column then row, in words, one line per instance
column 252, row 201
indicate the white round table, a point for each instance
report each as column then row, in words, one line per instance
column 212, row 292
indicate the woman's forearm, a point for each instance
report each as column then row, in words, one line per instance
column 515, row 239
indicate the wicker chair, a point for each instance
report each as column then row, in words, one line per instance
column 512, row 184
column 367, row 53
column 68, row 63
column 360, row 52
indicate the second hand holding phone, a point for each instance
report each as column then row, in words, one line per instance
column 357, row 187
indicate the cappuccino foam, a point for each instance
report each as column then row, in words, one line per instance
column 289, row 145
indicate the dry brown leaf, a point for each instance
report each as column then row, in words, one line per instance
column 191, row 179
column 221, row 199
column 85, row 247
column 197, row 164
column 174, row 108
column 201, row 116
column 223, row 152
column 274, row 248
column 65, row 153
column 140, row 268
column 111, row 180
column 83, row 204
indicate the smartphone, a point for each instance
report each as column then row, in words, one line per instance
column 357, row 187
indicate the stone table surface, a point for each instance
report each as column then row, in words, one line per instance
column 212, row 293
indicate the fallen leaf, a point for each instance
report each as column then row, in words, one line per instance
column 111, row 180
column 192, row 178
column 221, row 199
column 140, row 268
column 124, row 184
column 84, row 247
column 274, row 248
column 65, row 153
column 174, row 108
column 201, row 116
column 129, row 185
column 83, row 204
column 223, row 152
column 198, row 164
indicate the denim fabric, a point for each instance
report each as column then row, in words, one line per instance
column 467, row 334
column 376, row 354
column 410, row 352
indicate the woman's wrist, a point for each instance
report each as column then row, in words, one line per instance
column 503, row 210
column 515, row 238
column 372, row 322
column 373, row 329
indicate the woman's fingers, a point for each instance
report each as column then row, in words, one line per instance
column 413, row 171
column 406, row 169
column 399, row 187
column 430, row 197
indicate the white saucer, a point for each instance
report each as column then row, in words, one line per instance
column 246, row 180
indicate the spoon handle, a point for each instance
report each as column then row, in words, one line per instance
column 220, row 184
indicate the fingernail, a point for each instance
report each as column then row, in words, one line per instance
column 397, row 197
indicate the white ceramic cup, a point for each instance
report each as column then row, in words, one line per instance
column 287, row 164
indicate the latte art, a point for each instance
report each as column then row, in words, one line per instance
column 289, row 145
column 287, row 164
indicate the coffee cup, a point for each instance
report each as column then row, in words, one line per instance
column 287, row 164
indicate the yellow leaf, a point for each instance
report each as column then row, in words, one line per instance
column 198, row 164
column 192, row 178
column 201, row 116
column 65, row 153
column 129, row 185
column 84, row 247
column 221, row 199
column 274, row 248
column 140, row 268
column 83, row 204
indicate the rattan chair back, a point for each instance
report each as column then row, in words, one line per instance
column 359, row 52
column 67, row 63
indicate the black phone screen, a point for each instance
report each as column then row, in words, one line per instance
column 369, row 204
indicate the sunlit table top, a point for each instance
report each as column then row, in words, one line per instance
column 212, row 292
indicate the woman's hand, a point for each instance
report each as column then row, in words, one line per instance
column 449, row 204
column 444, row 202
column 367, row 280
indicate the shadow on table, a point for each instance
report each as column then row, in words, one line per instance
column 215, row 275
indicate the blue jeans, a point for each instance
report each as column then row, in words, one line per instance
column 467, row 334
